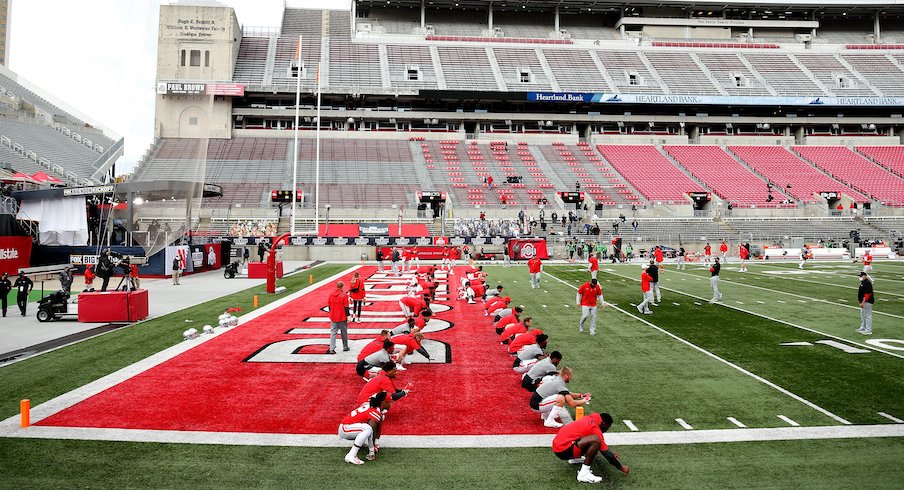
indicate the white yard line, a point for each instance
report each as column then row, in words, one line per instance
column 736, row 422
column 789, row 421
column 785, row 293
column 842, row 339
column 630, row 425
column 684, row 425
column 735, row 366
column 891, row 417
column 455, row 441
column 77, row 395
column 852, row 275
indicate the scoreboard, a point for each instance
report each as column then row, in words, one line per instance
column 286, row 196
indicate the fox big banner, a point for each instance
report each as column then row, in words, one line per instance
column 15, row 253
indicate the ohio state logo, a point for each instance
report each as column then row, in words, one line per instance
column 528, row 251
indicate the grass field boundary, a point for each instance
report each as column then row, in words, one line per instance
column 726, row 305
column 722, row 360
column 818, row 300
column 77, row 395
column 453, row 441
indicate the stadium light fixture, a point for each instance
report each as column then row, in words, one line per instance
column 138, row 201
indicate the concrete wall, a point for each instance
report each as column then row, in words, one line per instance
column 214, row 32
column 639, row 139
column 852, row 140
column 746, row 140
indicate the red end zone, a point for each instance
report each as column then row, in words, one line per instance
column 271, row 375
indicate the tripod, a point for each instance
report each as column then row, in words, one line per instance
column 130, row 283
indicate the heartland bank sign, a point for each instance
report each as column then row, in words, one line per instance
column 601, row 98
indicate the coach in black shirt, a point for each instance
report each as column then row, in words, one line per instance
column 5, row 288
column 866, row 298
column 714, row 280
column 23, row 286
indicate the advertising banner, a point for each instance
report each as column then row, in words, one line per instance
column 183, row 253
column 15, row 253
column 602, row 98
column 527, row 248
column 373, row 229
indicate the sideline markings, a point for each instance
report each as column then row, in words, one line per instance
column 630, row 425
column 891, row 417
column 88, row 390
column 684, row 424
column 724, row 361
column 801, row 327
column 736, row 422
column 785, row 277
column 789, row 421
column 12, row 429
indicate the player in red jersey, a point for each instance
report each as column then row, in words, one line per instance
column 657, row 254
column 384, row 381
column 356, row 294
column 514, row 329
column 510, row 319
column 646, row 288
column 707, row 255
column 406, row 344
column 526, row 338
column 363, row 426
column 744, row 254
column 867, row 262
column 581, row 440
column 724, row 249
column 535, row 267
column 594, row 266
column 447, row 261
column 413, row 256
column 588, row 296
column 413, row 305
column 374, row 345
column 495, row 304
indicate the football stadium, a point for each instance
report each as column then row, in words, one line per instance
column 545, row 242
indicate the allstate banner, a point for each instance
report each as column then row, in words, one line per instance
column 15, row 253
column 527, row 248
column 612, row 98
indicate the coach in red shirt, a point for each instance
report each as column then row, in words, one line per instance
column 579, row 441
column 589, row 294
column 338, row 305
column 535, row 267
column 594, row 266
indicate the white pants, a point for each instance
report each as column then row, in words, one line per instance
column 404, row 265
column 535, row 280
column 654, row 288
column 546, row 405
column 801, row 265
column 507, row 262
column 446, row 263
column 714, row 282
column 405, row 311
column 524, row 366
column 361, row 433
column 707, row 259
column 647, row 299
column 743, row 264
column 867, row 268
column 412, row 261
column 866, row 317
column 680, row 262
column 588, row 312
column 593, row 274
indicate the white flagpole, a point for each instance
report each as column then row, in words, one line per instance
column 317, row 161
column 295, row 158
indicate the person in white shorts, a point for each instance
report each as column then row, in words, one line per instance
column 363, row 427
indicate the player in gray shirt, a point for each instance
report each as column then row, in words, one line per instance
column 375, row 360
column 529, row 354
column 551, row 397
column 543, row 367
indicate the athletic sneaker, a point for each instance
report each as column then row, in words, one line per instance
column 354, row 460
column 648, row 312
column 401, row 368
column 593, row 332
column 588, row 476
column 345, row 349
column 331, row 351
column 551, row 422
column 639, row 309
column 371, row 456
column 866, row 332
column 581, row 329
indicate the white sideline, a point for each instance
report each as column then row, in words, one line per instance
column 818, row 300
column 77, row 395
column 726, row 305
column 454, row 441
column 724, row 361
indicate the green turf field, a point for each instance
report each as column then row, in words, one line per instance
column 692, row 360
